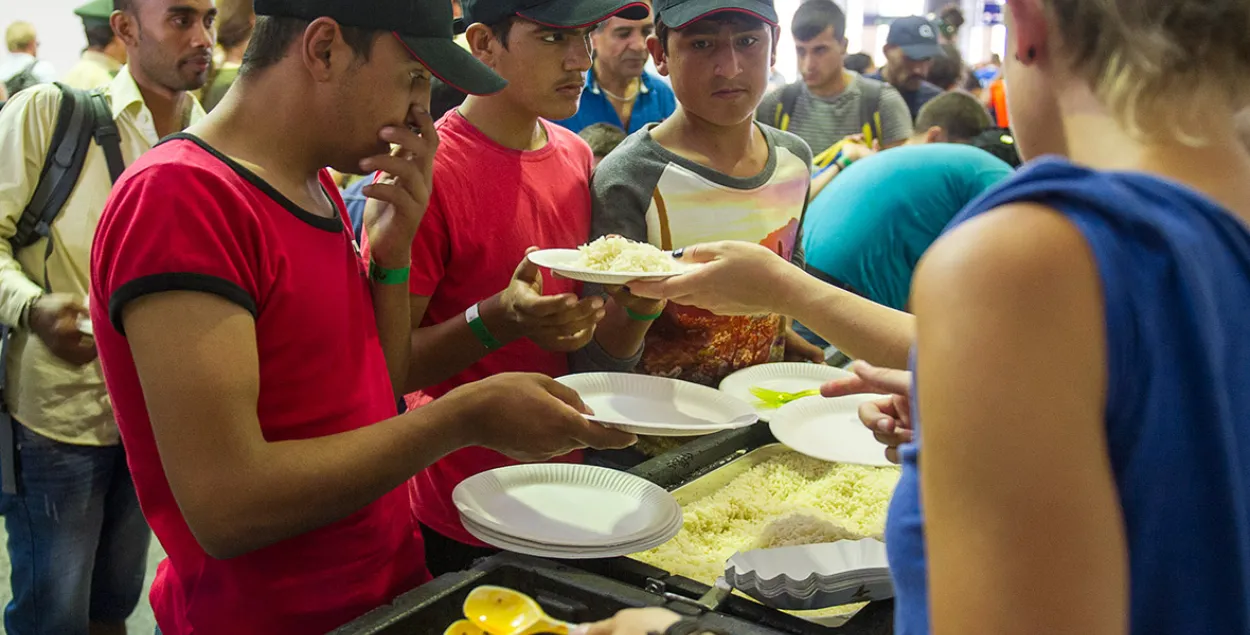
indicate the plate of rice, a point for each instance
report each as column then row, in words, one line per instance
column 611, row 260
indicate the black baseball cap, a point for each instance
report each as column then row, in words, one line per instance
column 561, row 14
column 422, row 26
column 678, row 14
column 916, row 36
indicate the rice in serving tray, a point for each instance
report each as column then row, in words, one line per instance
column 616, row 254
column 788, row 500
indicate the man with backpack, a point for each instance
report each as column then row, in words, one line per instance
column 23, row 68
column 76, row 537
column 831, row 103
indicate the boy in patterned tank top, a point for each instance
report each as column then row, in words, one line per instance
column 707, row 173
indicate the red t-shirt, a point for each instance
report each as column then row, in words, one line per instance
column 186, row 218
column 489, row 205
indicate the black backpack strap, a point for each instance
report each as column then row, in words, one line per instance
column 785, row 109
column 70, row 141
column 107, row 136
column 870, row 106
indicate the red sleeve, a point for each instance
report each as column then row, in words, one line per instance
column 176, row 227
column 431, row 250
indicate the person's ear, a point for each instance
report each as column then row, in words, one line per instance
column 320, row 48
column 656, row 48
column 125, row 27
column 1029, row 33
column 934, row 134
column 776, row 42
column 481, row 39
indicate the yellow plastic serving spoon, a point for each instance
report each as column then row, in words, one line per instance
column 500, row 611
column 464, row 627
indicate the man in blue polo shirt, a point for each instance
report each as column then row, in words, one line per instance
column 619, row 90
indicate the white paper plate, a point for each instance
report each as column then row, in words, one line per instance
column 570, row 553
column 658, row 406
column 566, row 505
column 560, row 261
column 813, row 576
column 830, row 430
column 782, row 377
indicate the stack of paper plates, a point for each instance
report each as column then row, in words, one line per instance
column 813, row 576
column 567, row 511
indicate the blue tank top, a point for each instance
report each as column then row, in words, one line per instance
column 1175, row 271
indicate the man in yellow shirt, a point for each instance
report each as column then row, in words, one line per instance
column 77, row 539
column 105, row 52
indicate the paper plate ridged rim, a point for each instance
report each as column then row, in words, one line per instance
column 528, row 548
column 488, row 499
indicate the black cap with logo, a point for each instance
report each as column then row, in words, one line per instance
column 561, row 14
column 423, row 26
column 916, row 36
column 678, row 14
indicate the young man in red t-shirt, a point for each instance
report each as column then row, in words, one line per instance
column 252, row 358
column 506, row 180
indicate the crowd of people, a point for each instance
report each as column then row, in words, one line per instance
column 265, row 291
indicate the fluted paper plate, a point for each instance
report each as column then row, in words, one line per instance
column 813, row 576
column 782, row 377
column 529, row 548
column 560, row 262
column 658, row 406
column 829, row 430
column 566, row 505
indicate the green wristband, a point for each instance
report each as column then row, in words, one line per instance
column 638, row 317
column 381, row 275
column 483, row 334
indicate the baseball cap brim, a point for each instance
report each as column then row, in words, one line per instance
column 681, row 16
column 584, row 13
column 457, row 67
column 923, row 51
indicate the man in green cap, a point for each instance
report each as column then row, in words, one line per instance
column 105, row 53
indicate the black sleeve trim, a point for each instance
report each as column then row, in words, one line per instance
column 162, row 282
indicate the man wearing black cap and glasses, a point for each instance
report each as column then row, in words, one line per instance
column 506, row 180
column 910, row 49
column 252, row 358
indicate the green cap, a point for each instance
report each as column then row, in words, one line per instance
column 95, row 13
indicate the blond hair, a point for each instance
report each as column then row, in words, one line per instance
column 1166, row 69
column 19, row 36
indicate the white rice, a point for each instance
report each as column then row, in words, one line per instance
column 786, row 501
column 614, row 254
